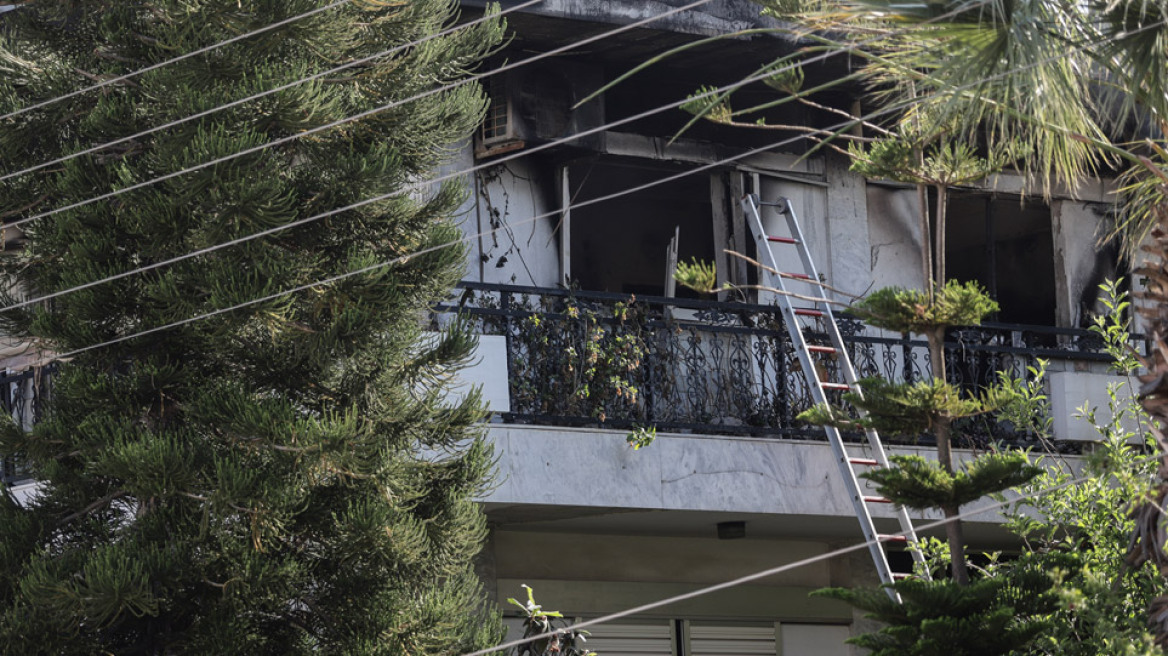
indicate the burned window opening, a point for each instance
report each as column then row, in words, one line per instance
column 620, row 245
column 1006, row 244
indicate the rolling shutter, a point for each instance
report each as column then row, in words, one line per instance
column 631, row 639
column 730, row 640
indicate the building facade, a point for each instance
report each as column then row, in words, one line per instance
column 586, row 344
column 586, row 347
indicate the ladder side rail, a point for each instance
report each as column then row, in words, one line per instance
column 819, row 395
column 859, row 505
column 798, row 341
column 837, row 341
column 845, row 363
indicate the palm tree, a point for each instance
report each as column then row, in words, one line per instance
column 1066, row 89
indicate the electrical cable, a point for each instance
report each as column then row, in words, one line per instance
column 365, row 114
column 465, row 238
column 769, row 572
column 441, row 178
column 154, row 67
column 268, row 92
column 660, row 603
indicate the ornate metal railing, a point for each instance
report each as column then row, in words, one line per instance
column 619, row 361
column 20, row 397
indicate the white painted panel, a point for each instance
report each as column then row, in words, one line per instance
column 814, row 639
column 1070, row 390
column 489, row 370
column 810, row 205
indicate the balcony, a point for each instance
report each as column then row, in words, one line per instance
column 709, row 367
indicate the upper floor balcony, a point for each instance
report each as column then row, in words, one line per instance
column 558, row 358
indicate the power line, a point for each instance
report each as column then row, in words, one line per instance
column 193, row 53
column 352, row 206
column 448, row 176
column 365, row 114
column 268, row 92
column 397, row 260
column 461, row 240
column 770, row 572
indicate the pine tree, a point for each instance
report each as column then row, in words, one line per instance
column 288, row 477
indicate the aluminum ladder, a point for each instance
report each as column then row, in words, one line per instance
column 820, row 310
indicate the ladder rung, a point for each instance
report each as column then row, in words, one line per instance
column 821, row 349
column 835, row 386
column 807, row 312
column 892, row 538
column 783, row 240
column 900, row 576
column 877, row 500
column 868, row 462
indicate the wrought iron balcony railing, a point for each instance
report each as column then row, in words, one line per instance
column 614, row 360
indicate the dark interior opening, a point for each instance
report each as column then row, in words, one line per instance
column 1006, row 244
column 620, row 245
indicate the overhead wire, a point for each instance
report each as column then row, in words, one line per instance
column 168, row 62
column 400, row 259
column 459, row 173
column 267, row 92
column 831, row 130
column 356, row 117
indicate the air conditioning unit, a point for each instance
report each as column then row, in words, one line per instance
column 534, row 104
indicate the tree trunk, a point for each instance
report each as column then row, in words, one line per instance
column 939, row 258
column 942, row 430
column 926, row 239
column 955, row 535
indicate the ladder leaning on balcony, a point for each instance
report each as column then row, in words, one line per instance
column 820, row 310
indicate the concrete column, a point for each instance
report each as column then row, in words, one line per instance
column 849, row 265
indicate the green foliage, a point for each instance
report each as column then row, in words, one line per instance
column 786, row 79
column 891, row 159
column 1027, row 407
column 537, row 621
column 601, row 373
column 939, row 618
column 908, row 408
column 914, row 311
column 697, row 275
column 921, row 484
column 1081, row 533
column 1114, row 326
column 289, row 477
column 710, row 104
column 947, row 163
column 641, row 437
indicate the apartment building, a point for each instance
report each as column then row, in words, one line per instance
column 586, row 343
column 586, row 346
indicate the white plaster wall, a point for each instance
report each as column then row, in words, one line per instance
column 894, row 237
column 1076, row 228
column 849, row 260
column 1071, row 391
column 463, row 160
column 586, row 467
column 514, row 193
